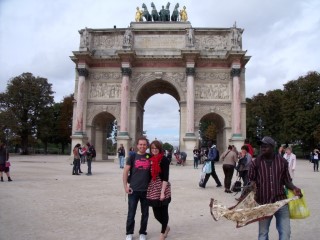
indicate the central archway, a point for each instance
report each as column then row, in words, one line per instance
column 146, row 91
column 162, row 118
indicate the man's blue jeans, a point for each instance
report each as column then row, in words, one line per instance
column 133, row 200
column 121, row 161
column 282, row 223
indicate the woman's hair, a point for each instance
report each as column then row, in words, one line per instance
column 158, row 145
column 245, row 147
column 230, row 147
column 77, row 145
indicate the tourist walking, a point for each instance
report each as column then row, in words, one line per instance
column 292, row 159
column 136, row 187
column 4, row 162
column 212, row 155
column 316, row 155
column 159, row 189
column 121, row 155
column 269, row 173
column 229, row 159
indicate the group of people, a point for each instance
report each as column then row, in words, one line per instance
column 81, row 155
column 146, row 180
column 269, row 174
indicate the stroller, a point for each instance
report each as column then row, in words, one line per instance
column 181, row 158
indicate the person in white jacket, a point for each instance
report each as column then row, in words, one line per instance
column 291, row 158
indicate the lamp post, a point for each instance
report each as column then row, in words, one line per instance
column 259, row 129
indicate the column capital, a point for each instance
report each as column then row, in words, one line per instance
column 83, row 72
column 126, row 71
column 235, row 72
column 190, row 71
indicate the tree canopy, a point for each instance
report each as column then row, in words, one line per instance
column 24, row 105
column 290, row 115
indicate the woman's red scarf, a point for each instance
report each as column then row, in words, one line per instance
column 155, row 165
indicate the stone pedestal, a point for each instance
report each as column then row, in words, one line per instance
column 190, row 143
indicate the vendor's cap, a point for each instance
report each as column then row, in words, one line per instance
column 268, row 140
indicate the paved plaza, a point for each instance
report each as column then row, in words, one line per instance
column 46, row 202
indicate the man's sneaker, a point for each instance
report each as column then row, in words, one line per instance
column 143, row 237
column 129, row 237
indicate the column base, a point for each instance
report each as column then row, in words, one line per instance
column 190, row 135
column 190, row 142
column 123, row 134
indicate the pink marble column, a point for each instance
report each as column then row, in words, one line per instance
column 83, row 73
column 236, row 108
column 126, row 72
column 190, row 101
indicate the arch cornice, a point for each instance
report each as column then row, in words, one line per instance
column 176, row 79
column 222, row 109
column 94, row 109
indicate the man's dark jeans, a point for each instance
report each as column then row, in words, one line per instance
column 89, row 161
column 133, row 200
column 213, row 174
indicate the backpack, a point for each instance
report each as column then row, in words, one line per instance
column 217, row 156
column 92, row 151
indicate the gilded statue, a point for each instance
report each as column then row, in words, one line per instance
column 139, row 14
column 183, row 14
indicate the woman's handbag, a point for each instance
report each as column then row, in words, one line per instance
column 8, row 164
column 298, row 208
column 236, row 187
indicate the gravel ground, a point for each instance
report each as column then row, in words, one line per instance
column 45, row 201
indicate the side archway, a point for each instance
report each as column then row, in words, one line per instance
column 214, row 126
column 99, row 133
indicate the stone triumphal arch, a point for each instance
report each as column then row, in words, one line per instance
column 119, row 69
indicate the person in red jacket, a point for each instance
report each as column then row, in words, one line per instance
column 250, row 148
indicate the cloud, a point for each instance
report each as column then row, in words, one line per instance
column 39, row 36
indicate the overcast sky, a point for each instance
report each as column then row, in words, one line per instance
column 38, row 36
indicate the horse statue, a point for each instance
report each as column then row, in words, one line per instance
column 167, row 12
column 175, row 13
column 154, row 13
column 146, row 13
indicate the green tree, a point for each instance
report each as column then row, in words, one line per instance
column 207, row 131
column 301, row 110
column 26, row 100
column 45, row 128
column 167, row 146
column 266, row 107
column 62, row 115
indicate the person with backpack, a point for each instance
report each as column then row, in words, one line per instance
column 213, row 156
column 91, row 153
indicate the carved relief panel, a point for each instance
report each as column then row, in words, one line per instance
column 212, row 91
column 104, row 90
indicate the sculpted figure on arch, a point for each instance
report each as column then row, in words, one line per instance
column 138, row 17
column 183, row 14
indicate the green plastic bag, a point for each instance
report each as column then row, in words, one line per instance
column 298, row 208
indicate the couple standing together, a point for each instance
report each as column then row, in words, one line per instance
column 146, row 179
